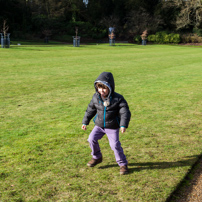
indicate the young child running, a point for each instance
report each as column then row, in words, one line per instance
column 111, row 112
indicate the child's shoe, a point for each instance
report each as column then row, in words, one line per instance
column 94, row 162
column 123, row 170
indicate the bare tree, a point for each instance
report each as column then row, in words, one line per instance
column 144, row 35
column 190, row 14
column 5, row 28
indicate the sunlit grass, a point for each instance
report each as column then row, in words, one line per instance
column 45, row 90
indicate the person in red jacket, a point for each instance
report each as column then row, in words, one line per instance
column 111, row 114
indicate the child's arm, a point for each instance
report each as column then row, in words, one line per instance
column 123, row 129
column 89, row 114
column 125, row 115
column 83, row 127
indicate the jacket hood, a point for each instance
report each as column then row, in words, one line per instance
column 107, row 79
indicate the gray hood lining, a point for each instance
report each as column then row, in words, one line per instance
column 106, row 84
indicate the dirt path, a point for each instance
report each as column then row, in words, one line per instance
column 191, row 189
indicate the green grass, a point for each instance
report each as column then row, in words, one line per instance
column 45, row 90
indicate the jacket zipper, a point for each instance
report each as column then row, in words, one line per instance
column 104, row 111
column 104, row 116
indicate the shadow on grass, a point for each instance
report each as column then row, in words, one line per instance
column 191, row 161
column 187, row 184
column 137, row 167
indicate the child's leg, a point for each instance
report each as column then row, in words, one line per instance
column 113, row 136
column 96, row 134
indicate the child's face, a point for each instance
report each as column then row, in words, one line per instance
column 103, row 92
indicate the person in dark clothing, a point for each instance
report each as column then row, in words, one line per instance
column 111, row 113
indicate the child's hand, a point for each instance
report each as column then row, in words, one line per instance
column 83, row 127
column 123, row 130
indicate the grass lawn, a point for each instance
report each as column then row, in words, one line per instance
column 45, row 90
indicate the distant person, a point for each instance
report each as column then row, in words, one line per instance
column 111, row 113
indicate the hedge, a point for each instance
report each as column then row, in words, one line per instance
column 164, row 38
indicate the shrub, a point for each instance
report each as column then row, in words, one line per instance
column 151, row 38
column 167, row 38
column 199, row 39
column 197, row 31
column 171, row 37
column 176, row 38
column 98, row 33
column 195, row 38
column 138, row 39
column 164, row 37
column 66, row 38
column 185, row 38
column 191, row 38
column 160, row 37
column 98, row 36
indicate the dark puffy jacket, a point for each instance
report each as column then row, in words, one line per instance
column 115, row 115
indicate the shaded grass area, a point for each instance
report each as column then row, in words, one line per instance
column 44, row 93
column 189, row 186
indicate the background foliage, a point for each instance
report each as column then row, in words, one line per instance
column 29, row 18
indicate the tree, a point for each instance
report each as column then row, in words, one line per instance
column 190, row 15
column 49, row 8
column 17, row 14
column 5, row 28
column 148, row 6
column 168, row 10
column 138, row 21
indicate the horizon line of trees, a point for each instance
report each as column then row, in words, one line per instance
column 56, row 18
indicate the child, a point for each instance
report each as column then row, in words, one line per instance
column 111, row 112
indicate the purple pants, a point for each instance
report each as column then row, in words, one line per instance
column 113, row 137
